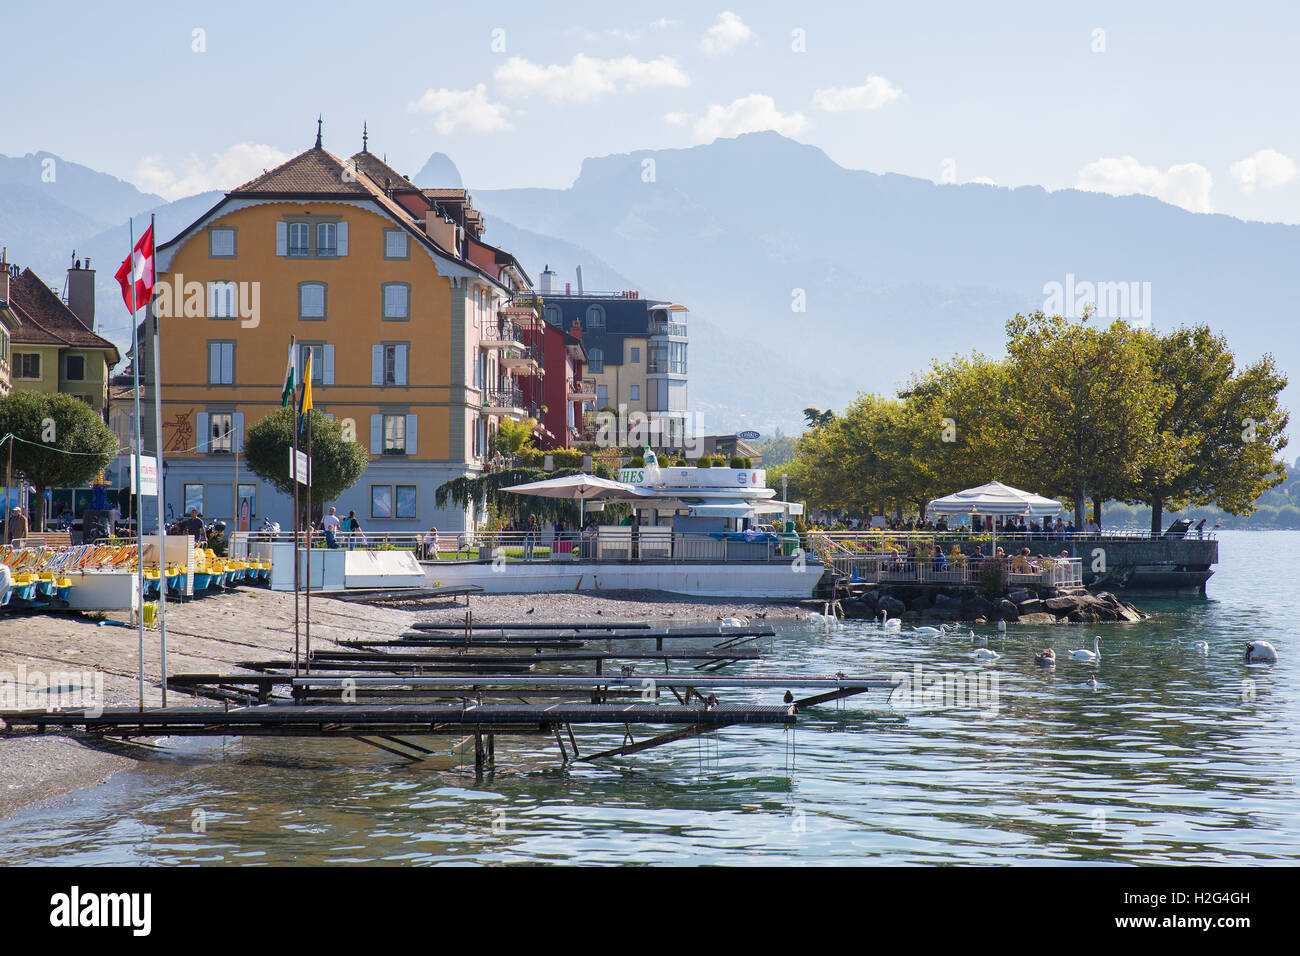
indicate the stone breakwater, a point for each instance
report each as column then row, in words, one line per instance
column 1023, row 606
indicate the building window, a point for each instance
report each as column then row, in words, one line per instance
column 397, row 300
column 381, row 501
column 596, row 361
column 317, row 352
column 635, row 394
column 635, row 356
column 27, row 365
column 327, row 239
column 221, row 363
column 595, row 317
column 395, row 244
column 552, row 315
column 299, row 239
column 246, row 493
column 602, row 396
column 221, row 243
column 405, row 496
column 395, row 370
column 222, row 301
column 221, row 427
column 394, row 435
column 76, row 368
column 193, row 495
column 311, row 300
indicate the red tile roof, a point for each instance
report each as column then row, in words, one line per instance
column 46, row 320
column 315, row 171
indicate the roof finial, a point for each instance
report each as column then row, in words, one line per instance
column 365, row 138
column 318, row 126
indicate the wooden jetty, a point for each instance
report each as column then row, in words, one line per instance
column 475, row 681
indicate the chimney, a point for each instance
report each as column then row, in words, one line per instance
column 548, row 279
column 579, row 280
column 4, row 275
column 81, row 292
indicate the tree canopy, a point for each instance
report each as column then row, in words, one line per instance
column 63, row 442
column 337, row 462
column 1074, row 410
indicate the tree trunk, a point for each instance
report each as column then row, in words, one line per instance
column 1157, row 514
column 1096, row 510
column 1080, row 502
column 36, row 520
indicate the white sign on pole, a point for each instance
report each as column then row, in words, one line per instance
column 148, row 475
column 301, row 471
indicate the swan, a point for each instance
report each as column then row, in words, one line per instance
column 984, row 654
column 1088, row 657
column 1002, row 626
column 734, row 622
column 978, row 637
column 1261, row 651
column 1046, row 658
column 1202, row 647
column 888, row 623
column 927, row 631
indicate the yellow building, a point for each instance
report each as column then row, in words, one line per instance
column 380, row 281
column 49, row 347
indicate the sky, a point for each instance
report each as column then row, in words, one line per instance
column 1193, row 103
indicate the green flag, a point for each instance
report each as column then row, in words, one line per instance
column 290, row 381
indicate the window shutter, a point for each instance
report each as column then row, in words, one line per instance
column 214, row 362
column 238, row 422
column 376, row 365
column 203, row 439
column 376, row 434
column 327, row 371
column 343, row 239
column 281, row 238
column 401, row 365
column 412, row 441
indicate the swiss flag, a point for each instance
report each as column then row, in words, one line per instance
column 136, row 279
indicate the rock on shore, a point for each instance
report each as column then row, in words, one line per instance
column 1024, row 606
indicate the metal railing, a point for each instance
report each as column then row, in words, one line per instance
column 958, row 571
column 877, row 540
column 504, row 397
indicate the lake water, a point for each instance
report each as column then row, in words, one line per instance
column 1174, row 757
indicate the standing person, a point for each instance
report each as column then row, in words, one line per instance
column 431, row 544
column 354, row 528
column 331, row 525
column 193, row 525
column 530, row 539
column 17, row 524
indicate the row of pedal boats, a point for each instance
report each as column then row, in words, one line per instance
column 35, row 588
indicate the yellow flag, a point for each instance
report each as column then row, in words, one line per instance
column 305, row 406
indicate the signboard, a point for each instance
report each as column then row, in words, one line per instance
column 748, row 436
column 148, row 475
column 302, row 471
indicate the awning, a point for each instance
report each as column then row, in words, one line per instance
column 723, row 509
column 995, row 498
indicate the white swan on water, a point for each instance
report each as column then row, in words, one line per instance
column 1201, row 647
column 1088, row 657
column 1002, row 626
column 888, row 623
column 1261, row 651
column 927, row 631
column 986, row 655
column 735, row 622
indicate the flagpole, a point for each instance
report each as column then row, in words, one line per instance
column 293, row 470
column 161, row 483
column 139, row 484
column 306, row 384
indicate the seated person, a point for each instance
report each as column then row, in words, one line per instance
column 940, row 560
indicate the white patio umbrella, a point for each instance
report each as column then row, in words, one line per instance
column 579, row 488
column 996, row 499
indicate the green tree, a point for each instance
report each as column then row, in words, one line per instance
column 337, row 462
column 1226, row 424
column 815, row 416
column 62, row 442
column 512, row 437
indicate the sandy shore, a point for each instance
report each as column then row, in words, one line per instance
column 215, row 633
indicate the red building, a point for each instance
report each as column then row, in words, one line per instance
column 557, row 397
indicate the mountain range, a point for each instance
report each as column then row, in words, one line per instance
column 806, row 281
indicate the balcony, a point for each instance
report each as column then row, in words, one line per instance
column 521, row 359
column 501, row 335
column 583, row 390
column 504, row 401
column 672, row 329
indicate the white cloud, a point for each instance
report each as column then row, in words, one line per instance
column 747, row 115
column 663, row 23
column 453, row 109
column 586, row 78
column 871, row 95
column 676, row 119
column 234, row 167
column 726, row 35
column 1266, row 169
column 1186, row 184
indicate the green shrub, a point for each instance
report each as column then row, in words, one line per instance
column 636, row 461
column 738, row 461
column 704, row 463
